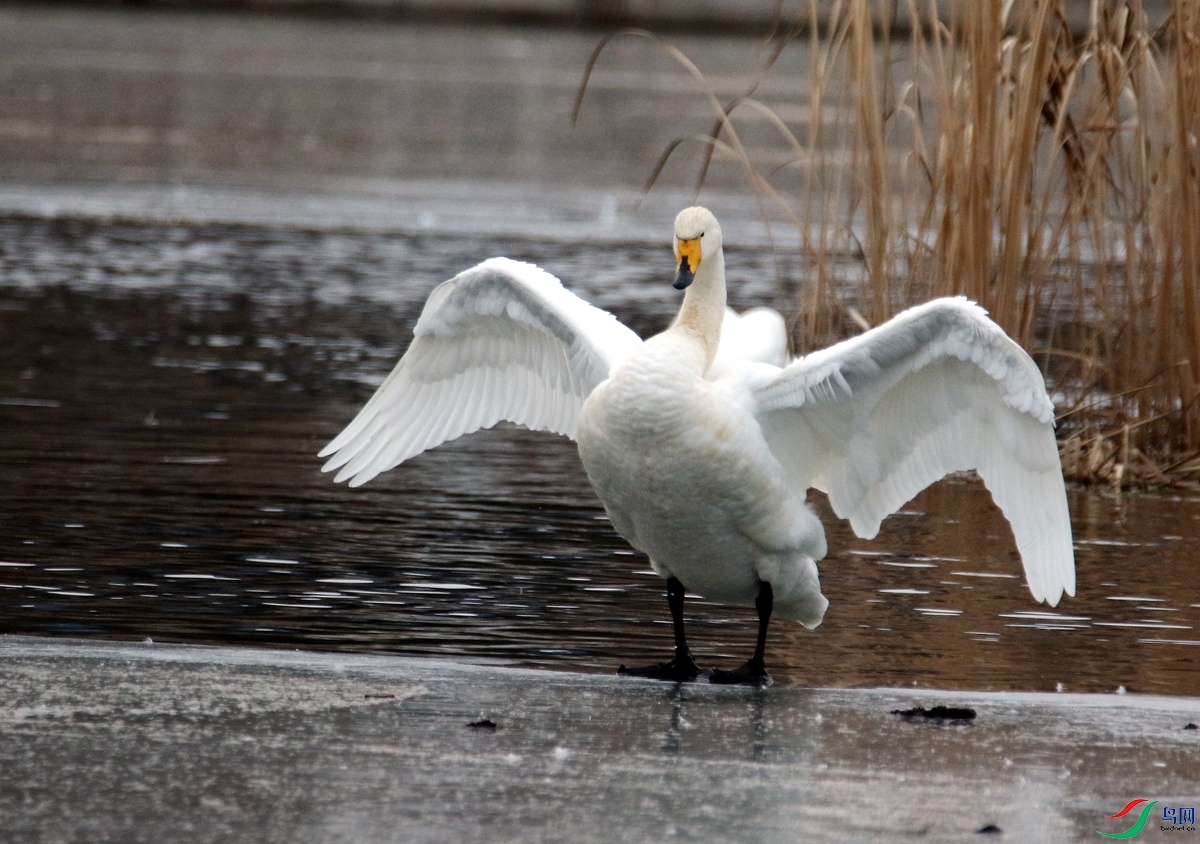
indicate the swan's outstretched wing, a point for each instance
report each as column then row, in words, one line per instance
column 941, row 388
column 501, row 341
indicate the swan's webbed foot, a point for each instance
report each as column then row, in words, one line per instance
column 682, row 669
column 753, row 673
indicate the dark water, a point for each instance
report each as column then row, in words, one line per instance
column 164, row 390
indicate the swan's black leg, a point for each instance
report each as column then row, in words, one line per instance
column 682, row 668
column 754, row 672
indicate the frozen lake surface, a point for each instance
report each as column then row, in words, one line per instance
column 137, row 742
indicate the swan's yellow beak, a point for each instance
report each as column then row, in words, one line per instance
column 688, row 253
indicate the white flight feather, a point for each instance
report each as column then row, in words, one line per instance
column 503, row 341
column 875, row 419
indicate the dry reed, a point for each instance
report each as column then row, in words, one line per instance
column 1050, row 173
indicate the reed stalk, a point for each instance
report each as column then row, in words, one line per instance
column 1050, row 175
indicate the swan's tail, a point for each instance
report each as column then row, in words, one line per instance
column 797, row 588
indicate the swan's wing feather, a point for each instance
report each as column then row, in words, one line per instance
column 759, row 334
column 501, row 341
column 875, row 419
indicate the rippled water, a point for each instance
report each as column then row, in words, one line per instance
column 164, row 390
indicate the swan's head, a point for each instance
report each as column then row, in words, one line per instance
column 697, row 237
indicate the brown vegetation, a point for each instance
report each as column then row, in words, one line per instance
column 1050, row 172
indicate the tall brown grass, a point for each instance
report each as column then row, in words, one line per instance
column 1048, row 170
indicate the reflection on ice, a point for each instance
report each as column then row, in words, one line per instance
column 1151, row 623
column 1046, row 621
column 1044, row 616
column 1168, row 641
column 198, row 577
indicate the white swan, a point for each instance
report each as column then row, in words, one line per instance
column 702, row 443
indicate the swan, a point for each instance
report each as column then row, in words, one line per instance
column 702, row 442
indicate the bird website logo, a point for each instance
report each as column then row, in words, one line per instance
column 1174, row 818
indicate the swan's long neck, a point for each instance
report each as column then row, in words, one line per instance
column 703, row 308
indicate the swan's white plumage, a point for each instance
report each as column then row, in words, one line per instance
column 759, row 335
column 875, row 419
column 703, row 441
column 503, row 341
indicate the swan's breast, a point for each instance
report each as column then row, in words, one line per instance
column 681, row 465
